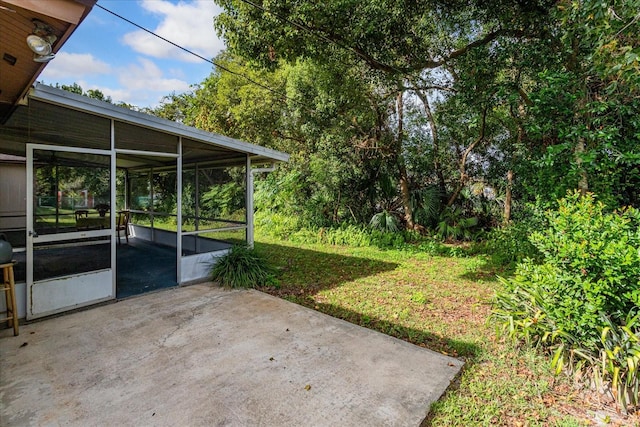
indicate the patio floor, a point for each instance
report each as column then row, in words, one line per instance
column 201, row 355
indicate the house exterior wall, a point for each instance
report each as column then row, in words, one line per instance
column 21, row 300
column 13, row 188
column 13, row 218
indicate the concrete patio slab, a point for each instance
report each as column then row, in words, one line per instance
column 205, row 356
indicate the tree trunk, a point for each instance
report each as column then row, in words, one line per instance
column 463, row 159
column 518, row 118
column 583, row 184
column 405, row 192
column 581, row 119
column 436, row 142
column 579, row 149
column 507, row 198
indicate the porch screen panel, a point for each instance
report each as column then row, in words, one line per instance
column 153, row 199
column 213, row 208
column 72, row 191
column 121, row 189
column 140, row 197
column 13, row 209
column 164, row 200
column 189, row 205
column 222, row 197
column 219, row 201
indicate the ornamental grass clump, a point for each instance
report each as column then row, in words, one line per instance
column 581, row 302
column 241, row 267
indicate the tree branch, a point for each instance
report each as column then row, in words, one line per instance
column 416, row 88
column 480, row 42
column 280, row 135
column 429, row 63
column 465, row 154
column 525, row 97
column 435, row 140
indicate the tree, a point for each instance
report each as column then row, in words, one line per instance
column 583, row 118
column 394, row 37
column 447, row 101
column 331, row 121
column 414, row 48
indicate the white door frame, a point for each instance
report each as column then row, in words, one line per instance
column 76, row 290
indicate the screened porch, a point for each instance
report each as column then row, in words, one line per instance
column 101, row 202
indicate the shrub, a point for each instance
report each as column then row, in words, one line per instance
column 276, row 224
column 356, row 236
column 453, row 225
column 580, row 301
column 241, row 267
column 510, row 244
column 384, row 221
column 620, row 357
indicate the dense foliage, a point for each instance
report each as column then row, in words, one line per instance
column 442, row 117
column 583, row 300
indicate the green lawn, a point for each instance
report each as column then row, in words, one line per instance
column 438, row 303
column 46, row 217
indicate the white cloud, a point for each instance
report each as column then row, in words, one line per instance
column 146, row 75
column 116, row 95
column 74, row 64
column 187, row 24
column 143, row 84
column 139, row 80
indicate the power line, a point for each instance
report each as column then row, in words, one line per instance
column 282, row 96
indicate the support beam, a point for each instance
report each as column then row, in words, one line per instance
column 196, row 221
column 197, row 199
column 113, row 213
column 249, row 203
column 151, row 196
column 179, row 214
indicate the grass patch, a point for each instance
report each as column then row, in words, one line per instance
column 441, row 303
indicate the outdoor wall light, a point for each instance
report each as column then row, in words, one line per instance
column 40, row 42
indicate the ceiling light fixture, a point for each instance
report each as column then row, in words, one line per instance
column 41, row 41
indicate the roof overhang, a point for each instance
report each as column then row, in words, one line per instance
column 18, row 70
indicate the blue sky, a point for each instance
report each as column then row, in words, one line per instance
column 130, row 65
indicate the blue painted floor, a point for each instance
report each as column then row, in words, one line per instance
column 141, row 266
column 144, row 267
